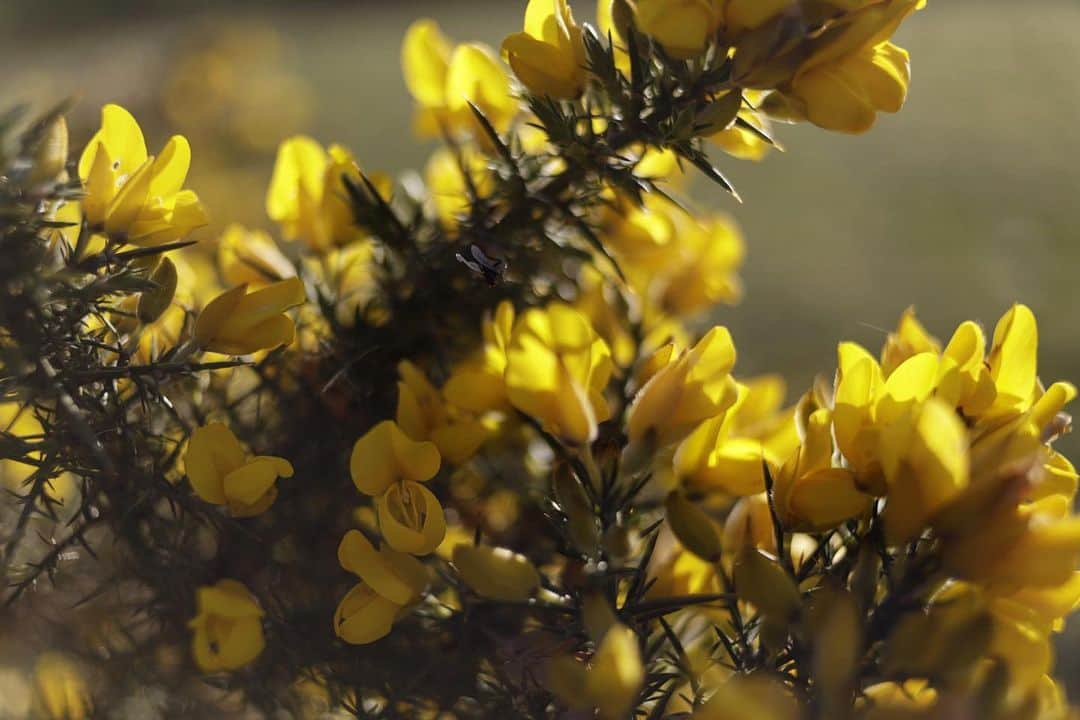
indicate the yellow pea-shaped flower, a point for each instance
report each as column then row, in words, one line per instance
column 133, row 196
column 549, row 56
column 240, row 323
column 385, row 455
column 227, row 627
column 693, row 387
column 391, row 581
column 222, row 473
column 557, row 368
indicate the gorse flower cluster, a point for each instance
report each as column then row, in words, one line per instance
column 468, row 445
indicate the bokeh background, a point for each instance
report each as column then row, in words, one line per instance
column 960, row 205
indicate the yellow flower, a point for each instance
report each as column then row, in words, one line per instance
column 62, row 690
column 223, row 474
column 424, row 414
column 853, row 71
column 448, row 189
column 925, row 460
column 496, row 573
column 866, row 402
column 727, row 453
column 692, row 387
column 390, row 582
column 760, row 580
column 389, row 466
column 444, row 80
column 134, row 197
column 385, row 455
column 250, row 257
column 345, row 275
column 227, row 627
column 478, row 385
column 610, row 684
column 845, row 95
column 703, row 269
column 683, row 27
column 617, row 672
column 239, row 323
column 557, row 368
column 1033, row 545
column 642, row 237
column 910, row 338
column 549, row 57
column 307, row 195
column 811, row 494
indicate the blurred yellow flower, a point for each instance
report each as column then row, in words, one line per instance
column 62, row 692
column 222, row 473
column 239, row 323
column 134, row 197
column 249, row 257
column 477, row 385
column 227, row 627
column 549, row 57
column 307, row 195
column 683, row 27
column 425, row 414
column 444, row 80
column 612, row 681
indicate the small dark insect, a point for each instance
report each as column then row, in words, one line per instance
column 491, row 269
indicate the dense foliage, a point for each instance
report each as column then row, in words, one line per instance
column 465, row 443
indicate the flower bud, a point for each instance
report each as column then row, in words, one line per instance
column 760, row 581
column 496, row 573
column 51, row 152
column 152, row 303
column 696, row 531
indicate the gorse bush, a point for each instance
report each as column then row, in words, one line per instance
column 462, row 444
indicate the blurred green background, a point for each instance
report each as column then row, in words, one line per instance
column 962, row 204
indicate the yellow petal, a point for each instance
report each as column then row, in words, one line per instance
column 1012, row 358
column 129, row 201
column 297, row 180
column 425, row 57
column 170, row 168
